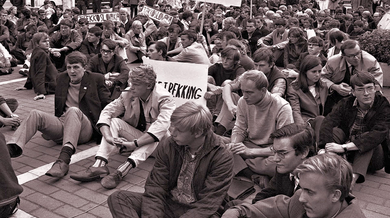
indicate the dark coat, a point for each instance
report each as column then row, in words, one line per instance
column 42, row 72
column 280, row 184
column 89, row 50
column 343, row 115
column 211, row 181
column 253, row 40
column 117, row 64
column 93, row 96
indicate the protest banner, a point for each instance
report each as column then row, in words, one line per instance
column 156, row 14
column 225, row 2
column 185, row 81
column 100, row 17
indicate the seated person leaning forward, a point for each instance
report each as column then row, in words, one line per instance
column 79, row 98
column 112, row 66
column 259, row 113
column 193, row 52
column 324, row 182
column 137, row 43
column 357, row 126
column 191, row 174
column 220, row 74
column 293, row 144
column 157, row 51
column 339, row 69
column 264, row 62
column 145, row 109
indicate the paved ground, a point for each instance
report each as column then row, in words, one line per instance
column 45, row 197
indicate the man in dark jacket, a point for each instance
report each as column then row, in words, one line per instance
column 91, row 45
column 9, row 186
column 191, row 175
column 80, row 96
column 357, row 126
column 292, row 145
column 251, row 34
column 112, row 66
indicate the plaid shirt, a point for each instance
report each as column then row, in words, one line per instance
column 358, row 127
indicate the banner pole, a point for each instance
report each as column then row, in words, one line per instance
column 203, row 12
column 250, row 15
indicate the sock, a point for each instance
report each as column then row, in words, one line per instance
column 100, row 162
column 66, row 154
column 126, row 167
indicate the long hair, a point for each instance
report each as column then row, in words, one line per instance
column 37, row 38
column 308, row 63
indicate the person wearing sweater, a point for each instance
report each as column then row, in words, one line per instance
column 259, row 113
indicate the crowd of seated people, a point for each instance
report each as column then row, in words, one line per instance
column 280, row 76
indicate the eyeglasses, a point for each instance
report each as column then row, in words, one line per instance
column 281, row 154
column 312, row 44
column 357, row 55
column 104, row 51
column 369, row 89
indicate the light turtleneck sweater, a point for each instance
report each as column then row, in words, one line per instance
column 255, row 123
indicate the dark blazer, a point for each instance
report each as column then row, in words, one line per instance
column 88, row 49
column 303, row 104
column 93, row 96
column 280, row 184
column 346, row 29
column 42, row 72
column 253, row 40
column 117, row 64
column 343, row 115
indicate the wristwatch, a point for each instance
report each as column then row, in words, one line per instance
column 344, row 146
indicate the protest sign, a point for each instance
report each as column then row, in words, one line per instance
column 185, row 81
column 156, row 14
column 100, row 17
column 226, row 2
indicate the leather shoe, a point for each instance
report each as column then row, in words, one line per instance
column 91, row 174
column 59, row 169
column 111, row 181
column 14, row 150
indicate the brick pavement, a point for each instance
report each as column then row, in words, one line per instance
column 45, row 197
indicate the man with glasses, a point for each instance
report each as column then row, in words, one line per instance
column 339, row 69
column 293, row 144
column 113, row 67
column 259, row 114
column 135, row 122
column 357, row 126
column 325, row 181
